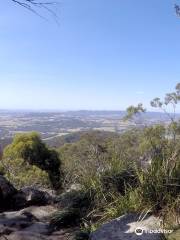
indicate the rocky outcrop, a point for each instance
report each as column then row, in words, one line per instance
column 26, row 214
column 30, row 196
column 32, row 214
column 129, row 227
column 31, row 223
column 35, row 196
column 13, row 199
column 6, row 192
column 6, row 188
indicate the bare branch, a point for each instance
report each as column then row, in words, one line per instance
column 34, row 5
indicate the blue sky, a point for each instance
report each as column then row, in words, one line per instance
column 103, row 55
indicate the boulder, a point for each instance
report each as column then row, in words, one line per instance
column 129, row 227
column 41, row 213
column 6, row 192
column 29, row 223
column 18, row 201
column 33, row 196
column 6, row 188
column 16, row 220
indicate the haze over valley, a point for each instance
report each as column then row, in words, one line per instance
column 55, row 124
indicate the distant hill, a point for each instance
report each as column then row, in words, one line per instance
column 75, row 137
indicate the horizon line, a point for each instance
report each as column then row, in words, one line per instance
column 73, row 110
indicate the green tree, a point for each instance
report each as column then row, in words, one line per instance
column 30, row 148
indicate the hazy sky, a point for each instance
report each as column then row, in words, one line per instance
column 103, row 55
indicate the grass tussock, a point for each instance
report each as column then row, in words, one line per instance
column 138, row 171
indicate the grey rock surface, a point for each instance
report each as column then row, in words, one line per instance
column 6, row 189
column 26, row 214
column 125, row 228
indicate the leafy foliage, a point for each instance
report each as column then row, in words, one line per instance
column 138, row 170
column 134, row 111
column 28, row 150
column 23, row 174
column 66, row 218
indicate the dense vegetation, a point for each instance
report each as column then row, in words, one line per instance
column 28, row 157
column 137, row 171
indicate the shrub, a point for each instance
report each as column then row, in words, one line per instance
column 76, row 199
column 65, row 218
column 29, row 150
column 22, row 174
column 160, row 182
column 119, row 182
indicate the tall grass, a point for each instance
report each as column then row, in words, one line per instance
column 122, row 184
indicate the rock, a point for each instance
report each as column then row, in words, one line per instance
column 6, row 188
column 5, row 230
column 67, row 234
column 32, row 223
column 31, row 196
column 42, row 213
column 16, row 221
column 18, row 201
column 31, row 214
column 34, row 196
column 6, row 192
column 82, row 235
column 21, row 235
column 29, row 223
column 38, row 227
column 75, row 187
column 34, row 210
column 124, row 228
column 63, row 234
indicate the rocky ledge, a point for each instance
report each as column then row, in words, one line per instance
column 27, row 214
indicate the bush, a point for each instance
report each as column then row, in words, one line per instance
column 119, row 182
column 160, row 182
column 29, row 150
column 65, row 218
column 22, row 174
column 137, row 171
column 76, row 199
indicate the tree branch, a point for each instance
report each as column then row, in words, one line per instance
column 33, row 5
